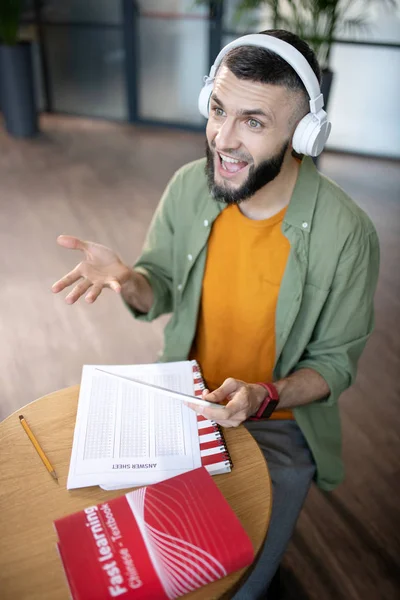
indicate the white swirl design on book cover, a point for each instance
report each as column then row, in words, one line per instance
column 182, row 566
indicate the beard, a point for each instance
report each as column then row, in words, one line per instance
column 257, row 177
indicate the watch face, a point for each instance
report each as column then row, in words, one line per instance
column 269, row 409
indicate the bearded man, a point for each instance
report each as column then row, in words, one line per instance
column 268, row 268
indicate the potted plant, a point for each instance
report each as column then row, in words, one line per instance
column 316, row 21
column 17, row 95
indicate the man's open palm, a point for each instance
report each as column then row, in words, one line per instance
column 101, row 268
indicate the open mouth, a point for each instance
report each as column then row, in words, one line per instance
column 231, row 165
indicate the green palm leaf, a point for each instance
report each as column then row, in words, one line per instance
column 10, row 12
column 317, row 21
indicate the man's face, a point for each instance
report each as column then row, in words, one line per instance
column 248, row 134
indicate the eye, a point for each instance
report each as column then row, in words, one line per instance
column 254, row 124
column 218, row 112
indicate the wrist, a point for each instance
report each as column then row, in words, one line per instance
column 137, row 291
column 269, row 402
column 260, row 394
column 129, row 286
column 127, row 278
column 281, row 386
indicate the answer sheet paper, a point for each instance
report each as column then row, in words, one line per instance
column 127, row 434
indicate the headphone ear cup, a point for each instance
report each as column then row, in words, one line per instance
column 302, row 134
column 321, row 138
column 311, row 135
column 204, row 97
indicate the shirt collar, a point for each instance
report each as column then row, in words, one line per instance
column 301, row 207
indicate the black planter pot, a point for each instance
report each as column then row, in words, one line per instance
column 17, row 94
column 326, row 84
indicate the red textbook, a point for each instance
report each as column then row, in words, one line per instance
column 157, row 542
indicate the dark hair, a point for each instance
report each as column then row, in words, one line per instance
column 264, row 66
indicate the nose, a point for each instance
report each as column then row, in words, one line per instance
column 227, row 136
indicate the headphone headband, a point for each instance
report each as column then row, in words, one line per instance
column 286, row 51
column 313, row 129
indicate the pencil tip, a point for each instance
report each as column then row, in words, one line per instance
column 54, row 475
column 21, row 417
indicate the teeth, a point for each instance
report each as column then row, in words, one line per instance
column 228, row 159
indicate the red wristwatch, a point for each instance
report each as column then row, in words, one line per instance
column 269, row 404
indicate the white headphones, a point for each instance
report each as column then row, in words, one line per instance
column 313, row 130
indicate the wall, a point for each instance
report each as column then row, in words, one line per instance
column 364, row 106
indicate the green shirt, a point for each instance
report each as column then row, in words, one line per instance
column 324, row 313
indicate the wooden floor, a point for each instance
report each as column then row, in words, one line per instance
column 102, row 182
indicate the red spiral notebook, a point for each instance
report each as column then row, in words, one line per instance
column 158, row 542
column 214, row 452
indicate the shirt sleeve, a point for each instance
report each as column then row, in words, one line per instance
column 346, row 320
column 156, row 259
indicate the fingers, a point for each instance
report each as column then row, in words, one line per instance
column 69, row 241
column 230, row 386
column 234, row 412
column 97, row 288
column 78, row 291
column 69, row 279
column 214, row 414
column 196, row 407
column 115, row 285
column 94, row 293
column 82, row 287
column 238, row 403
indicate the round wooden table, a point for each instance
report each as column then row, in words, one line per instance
column 30, row 499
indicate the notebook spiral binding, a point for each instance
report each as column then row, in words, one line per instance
column 219, row 430
column 226, row 451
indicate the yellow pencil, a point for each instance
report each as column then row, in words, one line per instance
column 37, row 447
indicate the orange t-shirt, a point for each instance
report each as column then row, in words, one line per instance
column 235, row 336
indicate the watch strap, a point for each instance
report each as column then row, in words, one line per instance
column 270, row 403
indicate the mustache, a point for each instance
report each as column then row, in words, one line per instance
column 232, row 153
column 258, row 177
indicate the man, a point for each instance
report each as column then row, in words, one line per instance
column 269, row 270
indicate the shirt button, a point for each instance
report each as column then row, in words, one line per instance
column 190, row 257
column 305, row 225
column 205, row 223
column 179, row 287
